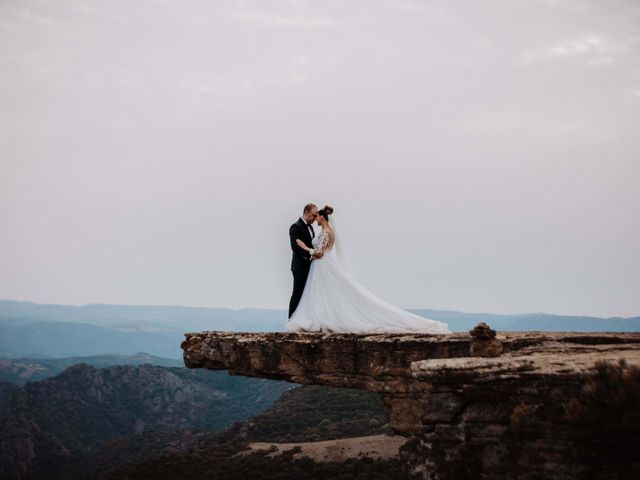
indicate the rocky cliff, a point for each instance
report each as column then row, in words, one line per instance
column 478, row 405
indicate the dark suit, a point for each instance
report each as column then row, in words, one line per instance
column 300, row 261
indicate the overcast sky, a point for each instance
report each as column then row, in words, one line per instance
column 481, row 156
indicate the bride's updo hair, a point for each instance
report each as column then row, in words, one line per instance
column 325, row 212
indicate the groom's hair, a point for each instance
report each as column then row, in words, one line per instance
column 308, row 207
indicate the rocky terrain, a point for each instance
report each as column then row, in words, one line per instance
column 379, row 447
column 479, row 405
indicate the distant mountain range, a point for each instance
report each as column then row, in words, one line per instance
column 546, row 322
column 22, row 370
column 43, row 330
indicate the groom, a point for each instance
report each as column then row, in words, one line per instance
column 301, row 259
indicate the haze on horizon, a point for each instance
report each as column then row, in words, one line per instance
column 481, row 156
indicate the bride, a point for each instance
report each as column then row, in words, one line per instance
column 333, row 301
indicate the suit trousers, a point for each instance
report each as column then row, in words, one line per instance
column 299, row 281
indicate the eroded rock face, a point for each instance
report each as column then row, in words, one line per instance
column 378, row 363
column 482, row 405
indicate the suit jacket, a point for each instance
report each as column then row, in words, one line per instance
column 300, row 258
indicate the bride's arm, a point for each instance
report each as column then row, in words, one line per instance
column 326, row 242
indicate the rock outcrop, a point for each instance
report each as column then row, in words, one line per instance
column 482, row 405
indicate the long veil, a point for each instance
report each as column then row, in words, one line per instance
column 338, row 247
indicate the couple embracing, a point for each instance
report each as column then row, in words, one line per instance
column 326, row 297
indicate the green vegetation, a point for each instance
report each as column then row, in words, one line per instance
column 85, row 406
column 61, row 419
column 313, row 413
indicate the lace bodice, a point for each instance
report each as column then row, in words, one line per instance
column 320, row 242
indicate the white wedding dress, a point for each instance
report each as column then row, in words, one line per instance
column 333, row 301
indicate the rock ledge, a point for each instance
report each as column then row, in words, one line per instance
column 461, row 398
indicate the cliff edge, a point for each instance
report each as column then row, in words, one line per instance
column 478, row 405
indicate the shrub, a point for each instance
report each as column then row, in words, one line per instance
column 606, row 416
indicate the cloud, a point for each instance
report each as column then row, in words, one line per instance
column 594, row 49
column 586, row 46
column 272, row 20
